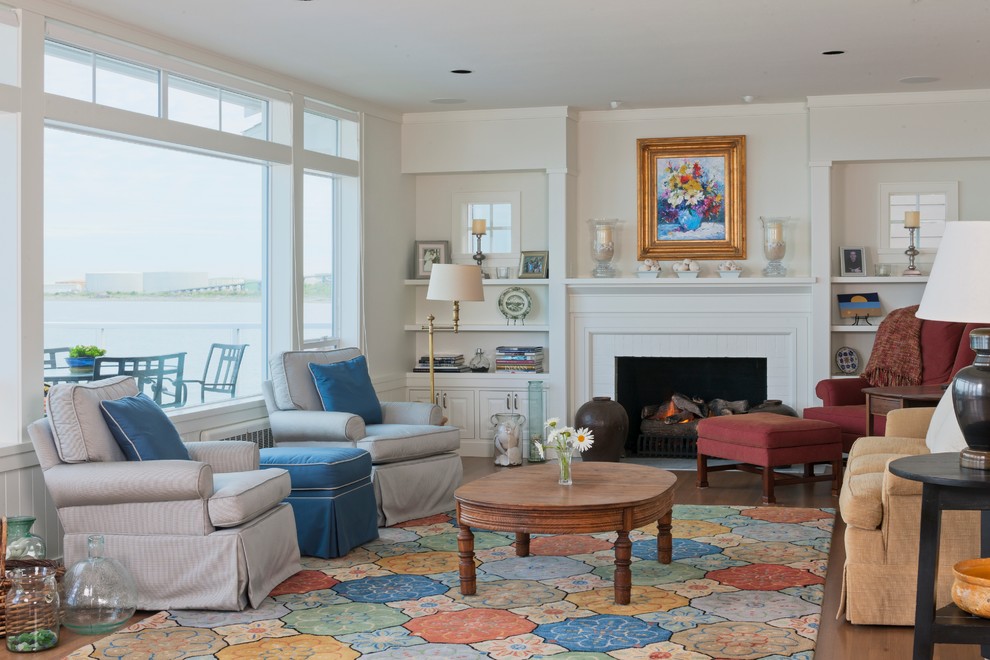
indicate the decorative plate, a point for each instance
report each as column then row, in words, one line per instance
column 515, row 303
column 847, row 360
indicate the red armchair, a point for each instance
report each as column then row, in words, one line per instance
column 944, row 351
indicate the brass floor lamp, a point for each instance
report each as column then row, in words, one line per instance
column 453, row 282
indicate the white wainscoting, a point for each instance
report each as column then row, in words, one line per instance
column 675, row 321
column 24, row 494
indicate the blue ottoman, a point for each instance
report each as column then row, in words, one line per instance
column 332, row 497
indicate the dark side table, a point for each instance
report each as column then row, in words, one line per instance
column 881, row 400
column 946, row 486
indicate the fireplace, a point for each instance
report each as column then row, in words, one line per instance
column 647, row 381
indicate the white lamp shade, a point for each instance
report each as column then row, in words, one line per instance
column 455, row 282
column 955, row 289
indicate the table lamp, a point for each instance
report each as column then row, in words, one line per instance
column 454, row 282
column 954, row 293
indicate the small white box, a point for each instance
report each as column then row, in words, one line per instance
column 687, row 274
column 729, row 273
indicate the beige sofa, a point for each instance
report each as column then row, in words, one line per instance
column 882, row 515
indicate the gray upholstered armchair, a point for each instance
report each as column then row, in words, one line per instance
column 415, row 467
column 206, row 533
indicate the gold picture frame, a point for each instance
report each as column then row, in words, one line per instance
column 692, row 197
column 533, row 264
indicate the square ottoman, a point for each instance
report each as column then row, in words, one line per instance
column 332, row 497
column 763, row 441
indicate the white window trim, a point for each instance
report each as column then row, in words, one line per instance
column 949, row 188
column 460, row 223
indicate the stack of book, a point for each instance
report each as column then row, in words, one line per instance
column 442, row 363
column 519, row 359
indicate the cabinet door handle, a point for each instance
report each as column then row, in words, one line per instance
column 436, row 399
column 515, row 401
column 508, row 401
column 444, row 400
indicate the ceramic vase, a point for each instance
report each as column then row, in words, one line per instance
column 609, row 423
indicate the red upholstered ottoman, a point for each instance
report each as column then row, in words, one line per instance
column 763, row 441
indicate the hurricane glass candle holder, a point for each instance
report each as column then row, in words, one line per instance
column 774, row 246
column 603, row 246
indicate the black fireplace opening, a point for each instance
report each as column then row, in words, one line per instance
column 645, row 381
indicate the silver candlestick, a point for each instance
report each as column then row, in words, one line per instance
column 911, row 253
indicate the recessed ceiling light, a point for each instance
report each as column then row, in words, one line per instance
column 462, row 71
column 833, row 52
column 447, row 101
column 915, row 80
column 748, row 99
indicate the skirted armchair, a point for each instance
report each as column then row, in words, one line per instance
column 415, row 467
column 209, row 532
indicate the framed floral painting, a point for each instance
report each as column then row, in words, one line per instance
column 692, row 197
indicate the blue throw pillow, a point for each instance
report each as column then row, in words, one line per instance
column 346, row 387
column 142, row 429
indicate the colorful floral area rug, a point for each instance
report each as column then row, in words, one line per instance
column 746, row 582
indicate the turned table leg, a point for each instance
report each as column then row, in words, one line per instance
column 522, row 544
column 623, row 576
column 665, row 543
column 465, row 551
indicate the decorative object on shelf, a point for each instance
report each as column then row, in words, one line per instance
column 508, row 429
column 534, row 264
column 609, row 424
column 502, row 272
column 882, row 270
column 564, row 440
column 453, row 282
column 429, row 254
column 478, row 230
column 480, row 363
column 729, row 269
column 100, row 595
column 912, row 222
column 858, row 306
column 21, row 543
column 535, row 389
column 31, row 609
column 519, row 359
column 971, row 587
column 82, row 358
column 847, row 360
column 515, row 303
column 650, row 268
column 774, row 246
column 603, row 245
column 950, row 296
column 686, row 268
column 852, row 261
column 692, row 197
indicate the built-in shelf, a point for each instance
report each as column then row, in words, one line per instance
column 640, row 285
column 897, row 279
column 422, row 327
column 856, row 328
column 491, row 282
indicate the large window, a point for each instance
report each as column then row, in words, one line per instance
column 153, row 251
column 320, row 195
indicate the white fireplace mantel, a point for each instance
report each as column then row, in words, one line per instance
column 705, row 317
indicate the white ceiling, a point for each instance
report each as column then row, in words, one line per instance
column 586, row 53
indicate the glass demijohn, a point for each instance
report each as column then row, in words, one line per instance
column 31, row 609
column 100, row 595
column 774, row 246
column 21, row 543
column 535, row 421
column 479, row 363
column 508, row 438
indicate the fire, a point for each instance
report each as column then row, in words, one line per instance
column 672, row 411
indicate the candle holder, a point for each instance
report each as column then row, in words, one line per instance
column 603, row 246
column 774, row 246
column 478, row 230
column 911, row 253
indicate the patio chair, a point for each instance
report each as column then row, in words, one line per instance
column 220, row 372
column 158, row 376
column 55, row 357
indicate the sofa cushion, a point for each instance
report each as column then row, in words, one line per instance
column 239, row 497
column 860, row 502
column 939, row 346
column 80, row 432
column 142, row 429
column 944, row 434
column 345, row 386
column 292, row 382
column 388, row 443
column 323, row 468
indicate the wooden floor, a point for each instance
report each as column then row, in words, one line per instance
column 837, row 640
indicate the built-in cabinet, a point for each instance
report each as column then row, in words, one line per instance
column 458, row 404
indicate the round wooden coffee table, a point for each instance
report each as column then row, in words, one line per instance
column 604, row 497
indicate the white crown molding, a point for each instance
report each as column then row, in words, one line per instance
column 505, row 114
column 646, row 114
column 899, row 98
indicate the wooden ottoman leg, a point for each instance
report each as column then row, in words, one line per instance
column 768, row 497
column 702, row 479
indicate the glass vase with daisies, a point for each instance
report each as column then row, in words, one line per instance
column 564, row 440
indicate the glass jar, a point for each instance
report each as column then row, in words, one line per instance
column 100, row 595
column 603, row 246
column 21, row 543
column 480, row 363
column 774, row 246
column 31, row 609
column 535, row 421
column 507, row 434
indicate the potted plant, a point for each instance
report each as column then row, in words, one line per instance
column 81, row 357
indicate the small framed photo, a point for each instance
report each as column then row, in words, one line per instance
column 429, row 253
column 852, row 261
column 533, row 265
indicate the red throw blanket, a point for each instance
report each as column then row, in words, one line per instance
column 896, row 356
